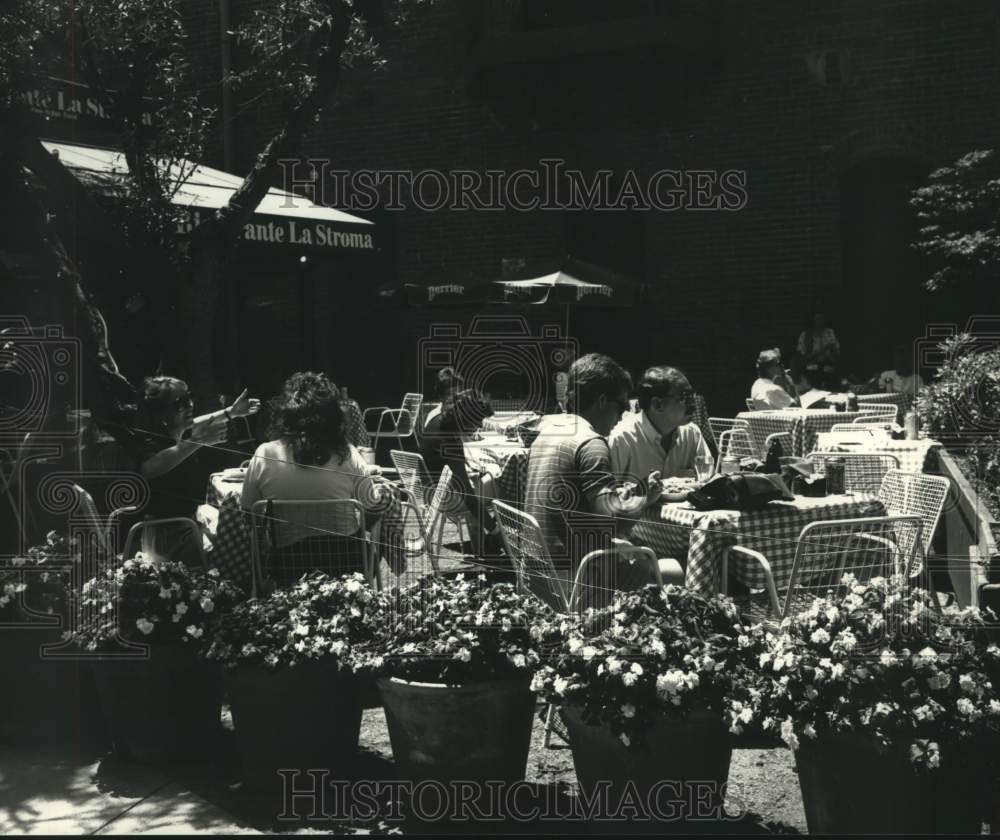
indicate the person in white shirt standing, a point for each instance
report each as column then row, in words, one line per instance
column 658, row 436
column 772, row 389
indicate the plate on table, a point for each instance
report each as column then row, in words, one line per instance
column 675, row 488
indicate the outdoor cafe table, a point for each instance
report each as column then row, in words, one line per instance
column 505, row 460
column 227, row 534
column 802, row 423
column 678, row 530
column 914, row 455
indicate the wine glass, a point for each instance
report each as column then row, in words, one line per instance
column 704, row 466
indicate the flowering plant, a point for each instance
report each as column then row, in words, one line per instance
column 151, row 600
column 319, row 618
column 40, row 577
column 457, row 631
column 879, row 658
column 655, row 652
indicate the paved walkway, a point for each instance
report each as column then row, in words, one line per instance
column 42, row 792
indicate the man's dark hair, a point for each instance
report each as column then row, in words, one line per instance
column 447, row 381
column 662, row 381
column 593, row 375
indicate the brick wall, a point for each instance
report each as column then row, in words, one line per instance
column 920, row 83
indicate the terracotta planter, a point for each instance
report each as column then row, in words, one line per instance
column 473, row 733
column 848, row 787
column 302, row 718
column 48, row 701
column 680, row 773
column 165, row 708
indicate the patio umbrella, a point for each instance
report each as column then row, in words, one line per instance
column 572, row 282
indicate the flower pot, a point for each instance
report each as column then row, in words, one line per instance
column 476, row 733
column 48, row 701
column 679, row 774
column 164, row 708
column 302, row 718
column 848, row 787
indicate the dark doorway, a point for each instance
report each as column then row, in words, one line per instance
column 883, row 302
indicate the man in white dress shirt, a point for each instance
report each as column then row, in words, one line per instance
column 772, row 389
column 658, row 436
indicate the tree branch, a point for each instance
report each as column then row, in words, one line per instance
column 231, row 219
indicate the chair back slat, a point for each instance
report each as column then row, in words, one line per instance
column 918, row 494
column 880, row 546
column 409, row 414
column 735, row 443
column 863, row 471
column 414, row 474
column 290, row 538
column 525, row 544
column 177, row 538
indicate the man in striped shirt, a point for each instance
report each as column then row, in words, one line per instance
column 569, row 465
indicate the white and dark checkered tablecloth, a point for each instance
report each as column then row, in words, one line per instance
column 802, row 423
column 914, row 455
column 507, row 461
column 678, row 530
column 354, row 424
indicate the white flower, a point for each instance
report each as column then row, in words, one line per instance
column 519, row 660
column 883, row 709
column 965, row 706
column 144, row 625
column 628, row 710
column 166, row 593
column 819, row 636
column 575, row 644
column 811, row 693
column 625, row 739
column 629, row 679
column 670, row 682
column 614, row 665
column 301, row 629
column 809, row 730
column 352, row 585
column 195, row 632
column 464, row 655
column 213, row 573
column 637, row 669
column 788, row 734
column 207, row 605
column 589, row 652
column 995, row 707
column 966, row 683
column 746, row 715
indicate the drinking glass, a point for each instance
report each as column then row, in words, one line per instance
column 704, row 466
column 730, row 466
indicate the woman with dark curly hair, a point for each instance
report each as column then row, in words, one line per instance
column 309, row 457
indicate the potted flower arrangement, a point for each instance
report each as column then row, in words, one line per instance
column 892, row 709
column 287, row 665
column 652, row 690
column 45, row 699
column 145, row 622
column 454, row 659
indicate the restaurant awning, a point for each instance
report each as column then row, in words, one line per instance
column 283, row 218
